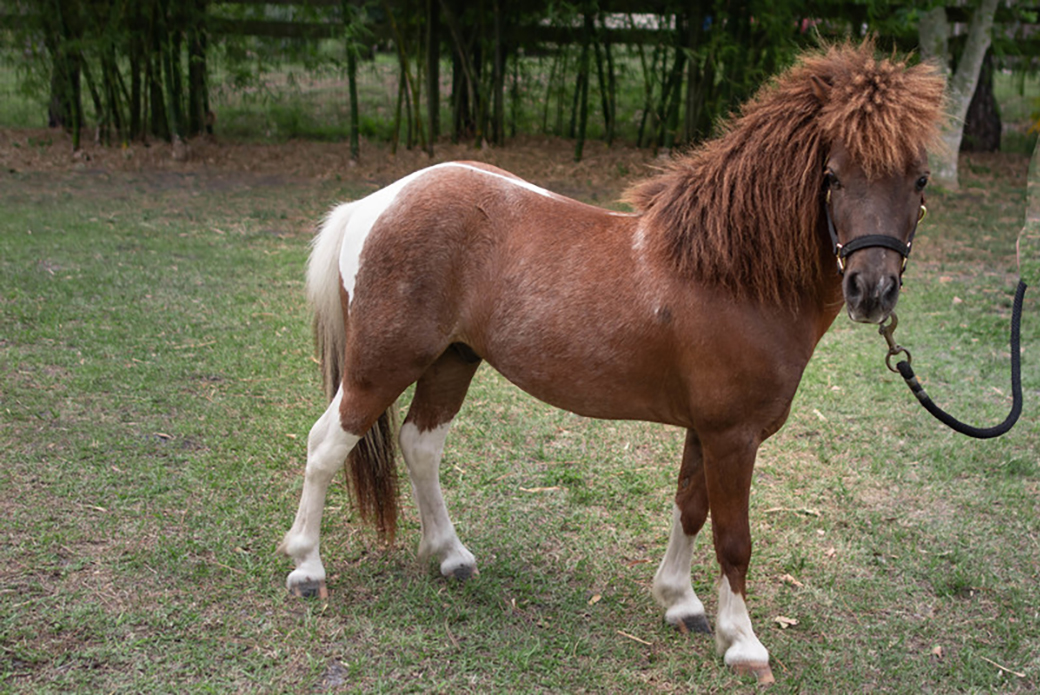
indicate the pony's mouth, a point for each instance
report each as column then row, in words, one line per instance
column 876, row 317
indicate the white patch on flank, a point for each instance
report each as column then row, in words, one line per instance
column 672, row 587
column 422, row 452
column 357, row 219
column 347, row 227
column 327, row 447
column 733, row 633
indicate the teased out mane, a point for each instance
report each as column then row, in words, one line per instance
column 742, row 211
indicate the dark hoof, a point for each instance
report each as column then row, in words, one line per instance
column 311, row 590
column 696, row 623
column 463, row 573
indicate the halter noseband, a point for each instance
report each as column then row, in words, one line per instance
column 843, row 251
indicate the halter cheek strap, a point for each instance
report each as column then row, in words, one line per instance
column 843, row 251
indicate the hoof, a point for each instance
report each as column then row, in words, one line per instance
column 464, row 572
column 310, row 590
column 695, row 623
column 761, row 671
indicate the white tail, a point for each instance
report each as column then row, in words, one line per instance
column 323, row 291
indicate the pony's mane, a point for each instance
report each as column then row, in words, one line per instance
column 742, row 211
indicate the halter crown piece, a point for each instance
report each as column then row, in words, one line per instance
column 843, row 251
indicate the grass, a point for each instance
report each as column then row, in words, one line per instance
column 1019, row 98
column 157, row 390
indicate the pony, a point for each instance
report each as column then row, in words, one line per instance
column 701, row 308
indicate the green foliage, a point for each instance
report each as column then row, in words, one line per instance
column 659, row 80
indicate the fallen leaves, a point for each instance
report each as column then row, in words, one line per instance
column 784, row 622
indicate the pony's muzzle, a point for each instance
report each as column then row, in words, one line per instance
column 869, row 297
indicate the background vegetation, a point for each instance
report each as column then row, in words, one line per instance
column 656, row 74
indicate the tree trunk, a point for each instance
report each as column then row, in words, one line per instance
column 355, row 128
column 198, row 96
column 469, row 98
column 1028, row 245
column 433, row 70
column 671, row 97
column 982, row 125
column 61, row 32
column 583, row 88
column 498, row 116
column 605, row 76
column 933, row 31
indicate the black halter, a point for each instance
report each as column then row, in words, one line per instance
column 843, row 251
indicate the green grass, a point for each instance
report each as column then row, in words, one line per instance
column 156, row 389
column 1019, row 99
column 18, row 108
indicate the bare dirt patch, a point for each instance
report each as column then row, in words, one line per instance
column 601, row 175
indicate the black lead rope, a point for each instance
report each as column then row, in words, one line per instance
column 907, row 372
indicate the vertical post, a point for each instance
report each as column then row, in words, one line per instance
column 350, row 22
column 583, row 87
column 198, row 99
column 498, row 108
column 674, row 87
column 433, row 70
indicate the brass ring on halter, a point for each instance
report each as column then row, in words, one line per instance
column 892, row 353
column 921, row 214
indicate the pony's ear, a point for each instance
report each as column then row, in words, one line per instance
column 821, row 88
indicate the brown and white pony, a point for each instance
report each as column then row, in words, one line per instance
column 700, row 309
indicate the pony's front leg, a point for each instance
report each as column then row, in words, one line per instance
column 672, row 586
column 728, row 466
column 327, row 448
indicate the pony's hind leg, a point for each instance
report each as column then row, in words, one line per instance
column 328, row 445
column 438, row 396
column 672, row 587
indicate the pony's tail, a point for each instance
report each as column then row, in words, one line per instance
column 372, row 463
column 324, row 290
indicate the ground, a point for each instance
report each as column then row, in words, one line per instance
column 549, row 162
column 156, row 390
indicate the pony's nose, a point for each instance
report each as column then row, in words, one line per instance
column 869, row 298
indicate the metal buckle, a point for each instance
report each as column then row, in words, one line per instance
column 886, row 329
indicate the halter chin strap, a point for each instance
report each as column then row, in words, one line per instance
column 843, row 251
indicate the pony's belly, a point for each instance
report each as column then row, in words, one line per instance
column 610, row 396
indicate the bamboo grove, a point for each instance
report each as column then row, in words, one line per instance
column 142, row 67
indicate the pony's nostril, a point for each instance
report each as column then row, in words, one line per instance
column 890, row 290
column 853, row 286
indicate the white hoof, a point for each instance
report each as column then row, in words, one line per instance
column 307, row 583
column 455, row 562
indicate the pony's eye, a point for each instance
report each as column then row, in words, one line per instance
column 830, row 180
column 921, row 183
